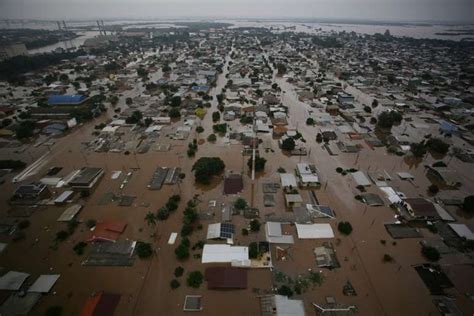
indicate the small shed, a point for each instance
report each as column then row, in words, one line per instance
column 293, row 200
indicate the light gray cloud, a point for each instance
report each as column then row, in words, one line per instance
column 381, row 10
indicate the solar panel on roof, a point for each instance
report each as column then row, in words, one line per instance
column 227, row 230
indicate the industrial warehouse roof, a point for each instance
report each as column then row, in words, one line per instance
column 66, row 99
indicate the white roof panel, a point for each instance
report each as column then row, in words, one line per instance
column 69, row 213
column 63, row 197
column 391, row 194
column 172, row 238
column 288, row 179
column 12, row 280
column 214, row 231
column 462, row 231
column 273, row 229
column 360, row 178
column 309, row 178
column 314, row 231
column 224, row 253
column 405, row 175
column 274, row 234
column 286, row 307
column 44, row 283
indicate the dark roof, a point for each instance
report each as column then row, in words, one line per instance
column 434, row 278
column 85, row 176
column 34, row 188
column 226, row 278
column 233, row 184
column 227, row 230
column 422, row 208
column 66, row 99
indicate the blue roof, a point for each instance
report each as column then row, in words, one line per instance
column 66, row 99
column 54, row 128
column 200, row 88
column 448, row 127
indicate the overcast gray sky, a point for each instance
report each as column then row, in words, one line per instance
column 380, row 10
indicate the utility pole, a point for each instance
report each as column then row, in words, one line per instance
column 253, row 162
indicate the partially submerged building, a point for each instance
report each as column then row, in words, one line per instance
column 307, row 175
column 279, row 305
column 220, row 231
column 86, row 178
column 30, row 193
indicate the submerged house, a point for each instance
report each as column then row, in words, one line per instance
column 307, row 175
column 446, row 176
column 419, row 209
column 30, row 193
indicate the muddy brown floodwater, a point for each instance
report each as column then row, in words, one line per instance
column 383, row 288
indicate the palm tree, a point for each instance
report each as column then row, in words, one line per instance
column 150, row 219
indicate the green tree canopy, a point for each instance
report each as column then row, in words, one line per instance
column 288, row 144
column 207, row 167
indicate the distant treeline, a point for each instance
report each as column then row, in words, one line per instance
column 34, row 38
column 12, row 164
column 12, row 69
column 48, row 40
